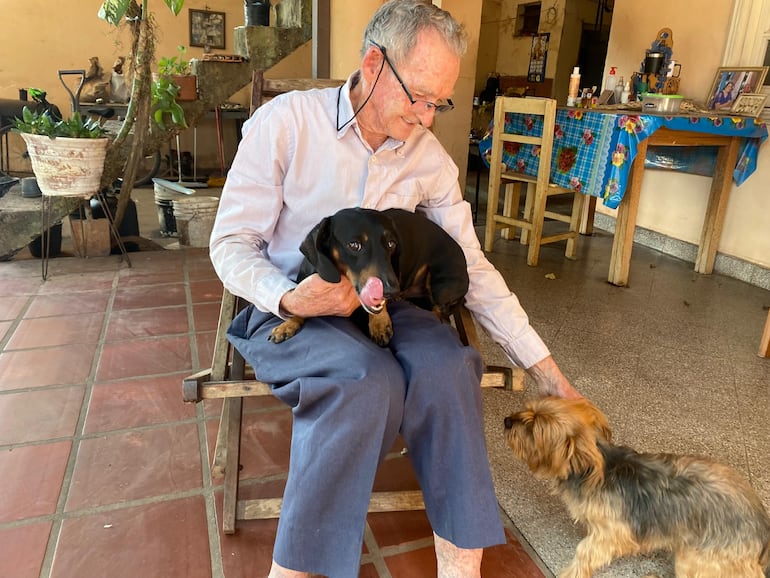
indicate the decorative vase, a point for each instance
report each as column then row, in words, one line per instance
column 67, row 167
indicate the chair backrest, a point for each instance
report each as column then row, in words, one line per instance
column 529, row 106
column 263, row 89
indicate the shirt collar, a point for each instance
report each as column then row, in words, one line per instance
column 345, row 111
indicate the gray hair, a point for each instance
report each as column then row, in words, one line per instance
column 397, row 23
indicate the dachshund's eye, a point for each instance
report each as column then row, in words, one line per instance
column 391, row 245
column 354, row 246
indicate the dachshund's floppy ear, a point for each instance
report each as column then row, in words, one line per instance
column 316, row 248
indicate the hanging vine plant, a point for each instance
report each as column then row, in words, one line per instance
column 137, row 16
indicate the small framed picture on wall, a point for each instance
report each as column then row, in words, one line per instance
column 207, row 29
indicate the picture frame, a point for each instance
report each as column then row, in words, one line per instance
column 537, row 57
column 730, row 82
column 207, row 28
column 749, row 104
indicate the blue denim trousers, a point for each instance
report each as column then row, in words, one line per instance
column 350, row 398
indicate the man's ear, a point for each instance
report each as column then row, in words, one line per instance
column 316, row 248
column 371, row 63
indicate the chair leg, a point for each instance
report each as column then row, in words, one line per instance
column 232, row 413
column 510, row 208
column 538, row 215
column 528, row 200
column 578, row 202
column 493, row 195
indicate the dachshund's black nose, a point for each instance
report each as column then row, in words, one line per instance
column 508, row 422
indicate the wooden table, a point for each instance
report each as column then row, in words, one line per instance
column 720, row 193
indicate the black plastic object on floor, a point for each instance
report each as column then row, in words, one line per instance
column 129, row 226
column 37, row 246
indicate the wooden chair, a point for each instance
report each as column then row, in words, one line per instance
column 231, row 379
column 539, row 188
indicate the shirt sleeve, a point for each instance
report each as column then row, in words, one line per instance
column 493, row 304
column 248, row 212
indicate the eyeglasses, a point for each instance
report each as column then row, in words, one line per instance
column 429, row 106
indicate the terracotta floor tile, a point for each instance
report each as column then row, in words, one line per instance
column 265, row 443
column 32, row 478
column 205, row 343
column 22, row 550
column 133, row 323
column 39, row 415
column 68, row 304
column 139, row 464
column 4, row 327
column 167, row 539
column 206, row 316
column 150, row 296
column 160, row 355
column 249, row 552
column 509, row 560
column 88, row 281
column 420, row 562
column 137, row 402
column 65, row 365
column 145, row 278
column 394, row 528
column 206, row 290
column 60, row 330
column 11, row 306
column 22, row 286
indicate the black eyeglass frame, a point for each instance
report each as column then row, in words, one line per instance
column 429, row 106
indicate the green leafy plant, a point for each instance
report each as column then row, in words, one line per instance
column 43, row 123
column 164, row 94
column 174, row 65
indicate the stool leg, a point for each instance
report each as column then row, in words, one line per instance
column 232, row 411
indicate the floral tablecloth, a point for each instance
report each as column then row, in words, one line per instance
column 593, row 151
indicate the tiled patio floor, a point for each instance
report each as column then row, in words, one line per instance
column 106, row 473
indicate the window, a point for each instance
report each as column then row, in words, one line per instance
column 527, row 19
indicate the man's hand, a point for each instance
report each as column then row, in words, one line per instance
column 314, row 297
column 551, row 381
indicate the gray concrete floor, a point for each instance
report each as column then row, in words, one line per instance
column 671, row 359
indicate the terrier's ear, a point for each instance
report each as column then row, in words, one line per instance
column 317, row 249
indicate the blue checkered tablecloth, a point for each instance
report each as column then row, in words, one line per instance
column 593, row 150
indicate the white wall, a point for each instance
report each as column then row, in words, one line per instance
column 674, row 203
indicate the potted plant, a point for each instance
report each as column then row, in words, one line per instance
column 178, row 70
column 171, row 85
column 68, row 159
column 67, row 155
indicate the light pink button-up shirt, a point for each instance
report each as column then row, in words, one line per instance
column 294, row 168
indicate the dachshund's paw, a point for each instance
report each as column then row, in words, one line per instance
column 380, row 328
column 286, row 330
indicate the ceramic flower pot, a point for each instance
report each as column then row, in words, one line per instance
column 67, row 167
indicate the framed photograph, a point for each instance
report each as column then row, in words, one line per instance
column 729, row 83
column 749, row 104
column 207, row 29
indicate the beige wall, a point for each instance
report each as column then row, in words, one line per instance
column 349, row 20
column 674, row 203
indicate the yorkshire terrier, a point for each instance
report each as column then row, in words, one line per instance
column 705, row 513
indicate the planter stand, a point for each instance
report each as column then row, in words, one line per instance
column 69, row 167
column 85, row 236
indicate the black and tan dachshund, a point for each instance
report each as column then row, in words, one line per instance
column 386, row 255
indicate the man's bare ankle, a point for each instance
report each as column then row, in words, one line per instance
column 454, row 562
column 278, row 571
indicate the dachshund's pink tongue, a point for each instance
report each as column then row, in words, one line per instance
column 371, row 293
